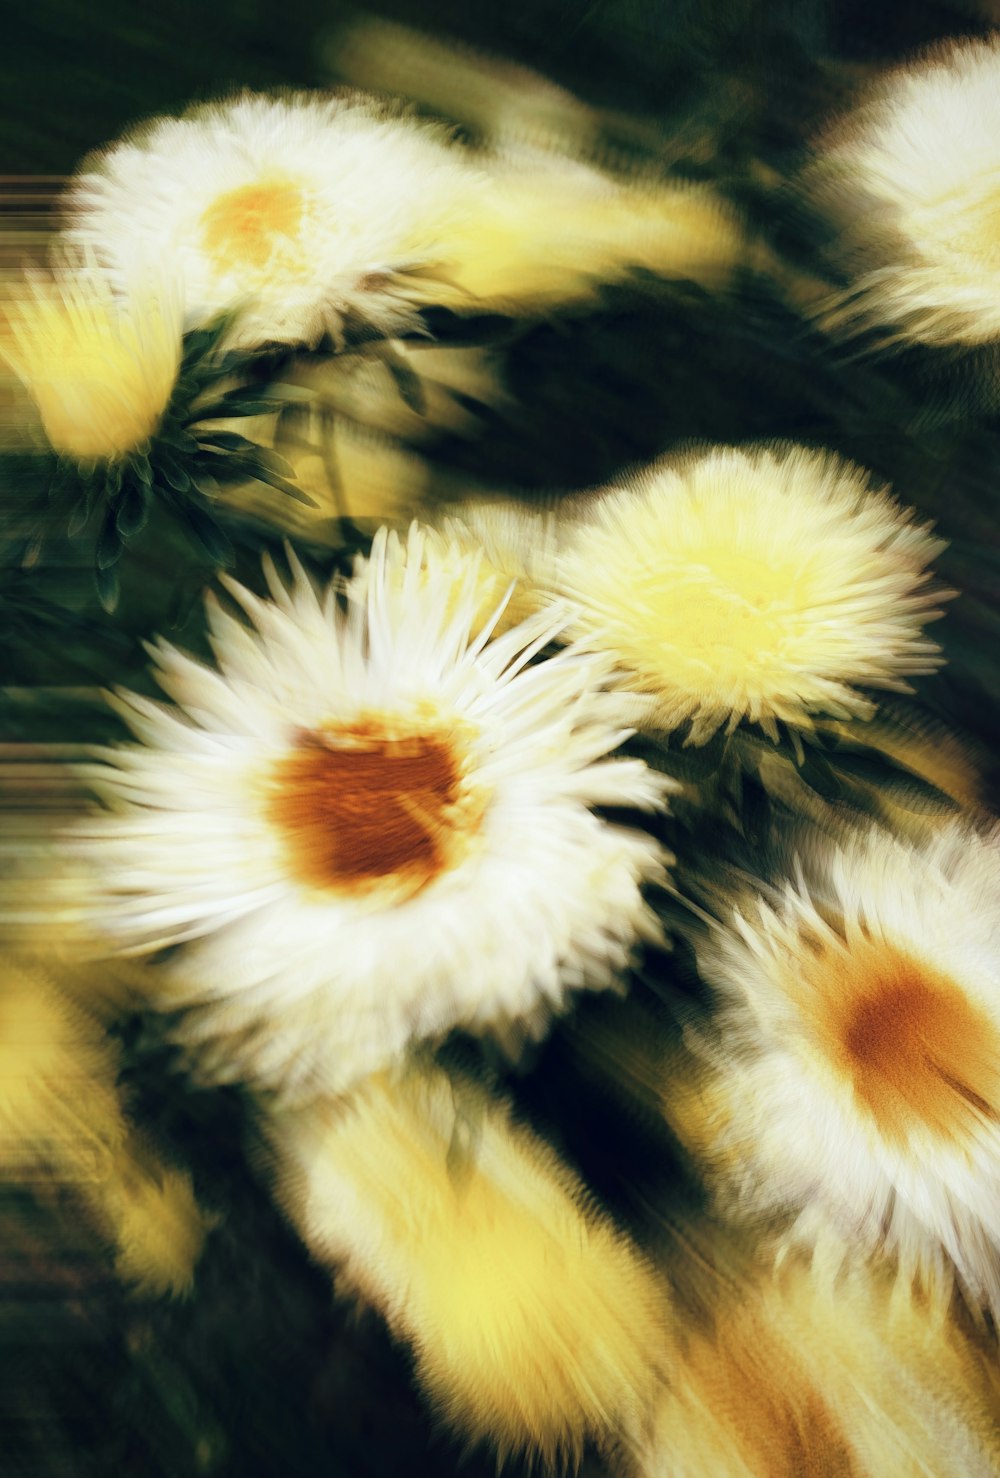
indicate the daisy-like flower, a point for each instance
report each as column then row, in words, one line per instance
column 792, row 1373
column 367, row 827
column 913, row 176
column 756, row 584
column 535, row 1323
column 297, row 210
column 859, row 1055
column 100, row 366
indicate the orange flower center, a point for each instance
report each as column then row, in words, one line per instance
column 246, row 226
column 920, row 1054
column 363, row 806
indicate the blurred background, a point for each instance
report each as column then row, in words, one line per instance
column 264, row 1372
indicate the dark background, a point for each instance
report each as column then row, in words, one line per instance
column 262, row 1372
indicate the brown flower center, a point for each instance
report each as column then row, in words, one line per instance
column 244, row 227
column 363, row 805
column 920, row 1054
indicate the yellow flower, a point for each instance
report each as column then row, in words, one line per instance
column 58, row 1106
column 759, row 584
column 551, row 225
column 534, row 1322
column 100, row 368
column 551, row 229
column 912, row 177
column 61, row 1118
column 156, row 1221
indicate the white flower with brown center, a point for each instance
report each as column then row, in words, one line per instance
column 913, row 176
column 859, row 1054
column 371, row 824
column 296, row 210
column 764, row 583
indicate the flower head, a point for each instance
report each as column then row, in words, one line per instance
column 535, row 1323
column 100, row 366
column 61, row 1116
column 297, row 210
column 859, row 1053
column 368, row 825
column 790, row 1372
column 913, row 173
column 759, row 584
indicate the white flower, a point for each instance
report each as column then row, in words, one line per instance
column 298, row 210
column 758, row 583
column 913, row 174
column 859, row 1054
column 366, row 827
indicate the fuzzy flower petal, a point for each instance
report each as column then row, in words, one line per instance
column 99, row 365
column 299, row 210
column 757, row 584
column 61, row 1118
column 858, row 1056
column 370, row 824
column 534, row 1323
column 912, row 177
column 793, row 1373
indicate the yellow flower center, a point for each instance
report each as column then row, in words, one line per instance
column 249, row 226
column 919, row 1054
column 373, row 804
column 734, row 614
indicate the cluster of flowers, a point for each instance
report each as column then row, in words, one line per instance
column 397, row 805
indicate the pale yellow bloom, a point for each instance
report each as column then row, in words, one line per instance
column 552, row 224
column 786, row 1374
column 100, row 368
column 157, row 1223
column 551, row 229
column 61, row 1118
column 764, row 584
column 534, row 1322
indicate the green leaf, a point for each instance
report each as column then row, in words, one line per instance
column 226, row 409
column 132, row 509
column 174, row 475
column 227, row 441
column 108, row 588
column 210, row 536
column 109, row 542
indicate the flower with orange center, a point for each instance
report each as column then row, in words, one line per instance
column 859, row 1054
column 911, row 176
column 298, row 210
column 372, row 823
